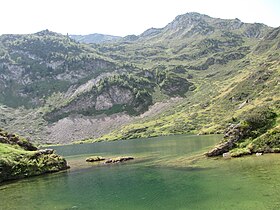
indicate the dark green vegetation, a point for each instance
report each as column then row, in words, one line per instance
column 195, row 75
column 19, row 158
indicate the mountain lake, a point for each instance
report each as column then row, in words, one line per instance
column 167, row 173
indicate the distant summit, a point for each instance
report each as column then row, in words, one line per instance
column 47, row 32
column 95, row 38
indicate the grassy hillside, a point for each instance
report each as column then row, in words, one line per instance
column 34, row 66
column 207, row 71
column 19, row 158
column 256, row 131
column 223, row 94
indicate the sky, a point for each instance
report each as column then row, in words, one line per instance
column 123, row 17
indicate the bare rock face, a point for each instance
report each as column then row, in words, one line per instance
column 79, row 127
column 120, row 95
column 115, row 95
column 92, row 102
column 103, row 102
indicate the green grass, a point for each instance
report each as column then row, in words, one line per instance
column 17, row 162
column 9, row 151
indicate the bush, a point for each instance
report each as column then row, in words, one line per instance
column 259, row 120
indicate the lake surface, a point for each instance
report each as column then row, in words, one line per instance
column 167, row 173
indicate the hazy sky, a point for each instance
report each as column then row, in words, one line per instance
column 123, row 17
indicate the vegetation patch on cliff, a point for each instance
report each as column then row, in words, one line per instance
column 257, row 131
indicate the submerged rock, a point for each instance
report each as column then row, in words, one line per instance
column 95, row 159
column 109, row 160
column 119, row 159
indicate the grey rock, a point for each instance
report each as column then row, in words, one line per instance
column 233, row 134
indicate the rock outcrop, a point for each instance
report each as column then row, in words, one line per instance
column 257, row 132
column 119, row 159
column 95, row 159
column 114, row 96
column 7, row 138
column 233, row 134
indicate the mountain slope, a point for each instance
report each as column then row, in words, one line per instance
column 225, row 92
column 257, row 130
column 52, row 77
column 35, row 66
column 197, row 74
column 193, row 40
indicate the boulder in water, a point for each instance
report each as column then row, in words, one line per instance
column 95, row 159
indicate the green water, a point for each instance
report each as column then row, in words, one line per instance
column 167, row 173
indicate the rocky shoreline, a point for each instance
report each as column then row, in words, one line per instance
column 20, row 159
column 257, row 133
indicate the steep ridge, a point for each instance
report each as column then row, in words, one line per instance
column 193, row 40
column 94, row 38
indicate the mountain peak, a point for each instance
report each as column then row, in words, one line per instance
column 47, row 32
column 193, row 16
column 192, row 23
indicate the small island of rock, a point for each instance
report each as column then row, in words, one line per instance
column 109, row 160
column 19, row 158
column 95, row 159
